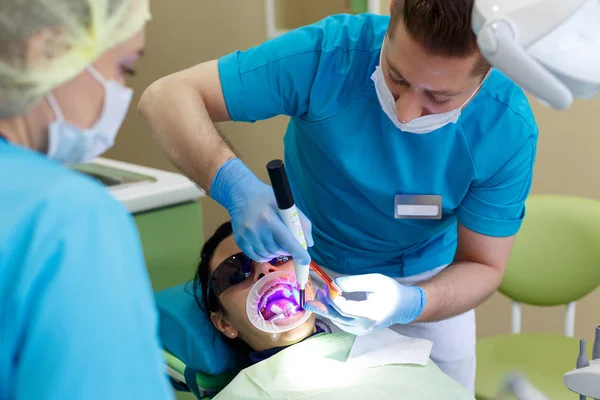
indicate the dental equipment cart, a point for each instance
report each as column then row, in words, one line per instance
column 167, row 211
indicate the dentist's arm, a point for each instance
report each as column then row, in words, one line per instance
column 474, row 276
column 489, row 217
column 181, row 110
column 277, row 77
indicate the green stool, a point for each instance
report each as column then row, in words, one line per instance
column 555, row 261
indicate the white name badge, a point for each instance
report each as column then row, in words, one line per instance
column 418, row 206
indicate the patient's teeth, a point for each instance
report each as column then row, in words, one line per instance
column 279, row 299
column 276, row 309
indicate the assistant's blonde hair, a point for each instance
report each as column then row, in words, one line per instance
column 70, row 35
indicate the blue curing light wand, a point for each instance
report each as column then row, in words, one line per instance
column 289, row 215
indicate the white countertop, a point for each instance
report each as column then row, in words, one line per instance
column 164, row 189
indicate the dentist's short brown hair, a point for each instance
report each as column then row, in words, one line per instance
column 442, row 27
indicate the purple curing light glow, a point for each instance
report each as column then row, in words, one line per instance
column 273, row 304
column 279, row 299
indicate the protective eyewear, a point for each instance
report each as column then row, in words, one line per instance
column 233, row 270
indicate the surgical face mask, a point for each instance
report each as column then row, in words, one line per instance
column 273, row 304
column 420, row 125
column 69, row 144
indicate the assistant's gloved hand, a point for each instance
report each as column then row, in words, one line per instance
column 388, row 302
column 258, row 229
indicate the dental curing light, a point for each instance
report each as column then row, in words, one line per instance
column 289, row 215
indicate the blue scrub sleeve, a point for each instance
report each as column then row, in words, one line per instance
column 303, row 73
column 90, row 326
column 495, row 205
column 269, row 80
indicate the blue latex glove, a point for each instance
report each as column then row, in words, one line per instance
column 258, row 229
column 388, row 302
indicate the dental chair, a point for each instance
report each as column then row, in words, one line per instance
column 555, row 261
column 203, row 386
column 199, row 362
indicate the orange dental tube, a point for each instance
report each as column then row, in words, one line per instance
column 334, row 289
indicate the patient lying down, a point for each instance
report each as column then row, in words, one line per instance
column 224, row 279
column 291, row 367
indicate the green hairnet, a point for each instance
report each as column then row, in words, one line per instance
column 70, row 35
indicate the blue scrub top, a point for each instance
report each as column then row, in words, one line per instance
column 346, row 160
column 77, row 319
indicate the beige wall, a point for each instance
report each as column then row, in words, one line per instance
column 187, row 32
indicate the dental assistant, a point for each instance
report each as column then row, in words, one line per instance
column 77, row 319
column 409, row 157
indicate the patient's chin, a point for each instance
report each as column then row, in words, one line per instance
column 301, row 332
column 306, row 329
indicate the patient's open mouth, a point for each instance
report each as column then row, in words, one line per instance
column 279, row 299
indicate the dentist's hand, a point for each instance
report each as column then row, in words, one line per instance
column 388, row 303
column 258, row 229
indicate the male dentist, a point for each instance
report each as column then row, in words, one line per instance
column 409, row 155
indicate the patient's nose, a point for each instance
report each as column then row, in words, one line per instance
column 262, row 269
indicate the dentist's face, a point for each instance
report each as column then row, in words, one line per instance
column 424, row 84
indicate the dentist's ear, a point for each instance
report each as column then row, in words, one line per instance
column 221, row 323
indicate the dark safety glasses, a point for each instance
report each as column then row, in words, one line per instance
column 233, row 270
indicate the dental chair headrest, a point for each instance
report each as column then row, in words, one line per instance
column 187, row 332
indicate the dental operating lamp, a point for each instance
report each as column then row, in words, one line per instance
column 550, row 48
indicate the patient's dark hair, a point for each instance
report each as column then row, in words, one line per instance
column 203, row 276
column 203, row 272
column 442, row 27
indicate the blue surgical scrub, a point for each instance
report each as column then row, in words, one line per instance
column 346, row 160
column 77, row 319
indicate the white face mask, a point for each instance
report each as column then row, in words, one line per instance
column 69, row 144
column 424, row 124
